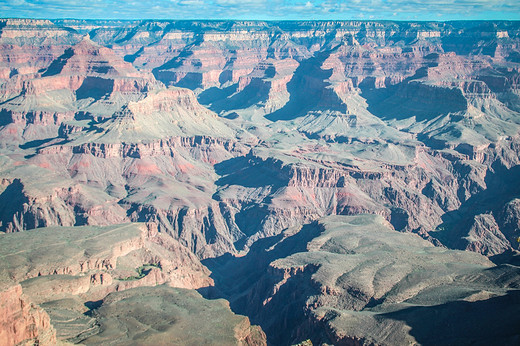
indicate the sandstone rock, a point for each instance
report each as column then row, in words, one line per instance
column 58, row 267
column 23, row 322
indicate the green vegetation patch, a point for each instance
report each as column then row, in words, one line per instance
column 142, row 271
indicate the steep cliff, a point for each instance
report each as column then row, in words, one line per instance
column 23, row 322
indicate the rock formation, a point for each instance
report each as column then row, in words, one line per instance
column 352, row 279
column 229, row 137
column 71, row 271
column 23, row 322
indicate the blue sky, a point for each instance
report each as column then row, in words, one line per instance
column 264, row 9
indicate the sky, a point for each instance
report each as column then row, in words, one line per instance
column 437, row 10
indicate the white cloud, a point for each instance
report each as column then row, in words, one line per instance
column 240, row 2
column 191, row 3
column 265, row 9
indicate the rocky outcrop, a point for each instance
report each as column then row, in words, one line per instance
column 84, row 264
column 93, row 258
column 27, row 209
column 344, row 279
column 22, row 322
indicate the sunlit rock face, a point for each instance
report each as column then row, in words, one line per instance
column 225, row 140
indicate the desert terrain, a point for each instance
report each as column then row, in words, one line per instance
column 253, row 183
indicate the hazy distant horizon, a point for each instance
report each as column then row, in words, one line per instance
column 264, row 10
column 258, row 20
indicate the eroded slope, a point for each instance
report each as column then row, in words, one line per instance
column 71, row 274
column 351, row 279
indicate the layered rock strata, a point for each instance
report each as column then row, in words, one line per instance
column 228, row 136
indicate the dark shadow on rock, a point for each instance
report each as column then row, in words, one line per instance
column 92, row 305
column 247, row 281
column 95, row 87
column 12, row 201
column 191, row 80
column 309, row 90
column 40, row 144
column 227, row 75
column 495, row 321
column 502, row 186
column 36, row 143
column 128, row 36
column 226, row 99
column 6, row 117
column 57, row 65
column 232, row 116
column 254, row 93
column 514, row 57
column 166, row 72
column 508, row 257
column 399, row 218
column 409, row 99
column 216, row 95
column 257, row 91
column 13, row 72
column 175, row 62
column 249, row 171
column 131, row 57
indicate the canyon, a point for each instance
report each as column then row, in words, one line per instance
column 342, row 182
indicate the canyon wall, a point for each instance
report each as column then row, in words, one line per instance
column 223, row 136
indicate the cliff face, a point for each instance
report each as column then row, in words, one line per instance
column 228, row 135
column 23, row 322
column 94, row 256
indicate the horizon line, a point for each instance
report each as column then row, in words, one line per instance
column 265, row 20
